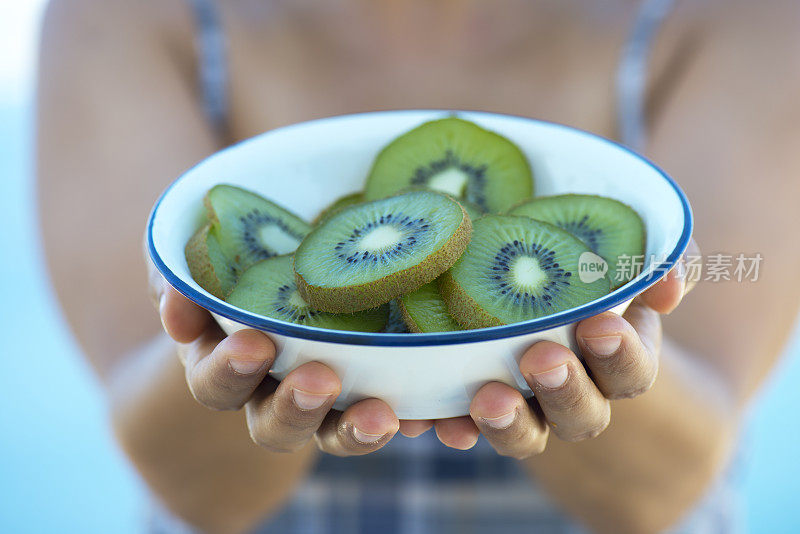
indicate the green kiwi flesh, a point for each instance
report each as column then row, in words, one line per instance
column 516, row 269
column 249, row 227
column 371, row 253
column 455, row 157
column 268, row 288
column 424, row 310
column 208, row 265
column 338, row 205
column 472, row 210
column 611, row 229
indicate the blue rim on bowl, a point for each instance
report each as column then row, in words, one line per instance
column 571, row 315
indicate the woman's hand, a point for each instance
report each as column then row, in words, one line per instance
column 228, row 373
column 620, row 352
column 571, row 400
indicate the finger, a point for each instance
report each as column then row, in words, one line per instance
column 692, row 251
column 223, row 377
column 665, row 295
column 411, row 428
column 183, row 320
column 457, row 432
column 622, row 365
column 572, row 404
column 364, row 427
column 507, row 422
column 155, row 283
column 284, row 417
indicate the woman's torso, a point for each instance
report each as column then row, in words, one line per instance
column 548, row 59
column 285, row 63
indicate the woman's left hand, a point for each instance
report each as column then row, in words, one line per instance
column 621, row 354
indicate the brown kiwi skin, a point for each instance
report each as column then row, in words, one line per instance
column 197, row 257
column 462, row 308
column 412, row 326
column 365, row 296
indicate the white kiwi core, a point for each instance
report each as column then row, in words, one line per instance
column 380, row 239
column 296, row 300
column 527, row 273
column 451, row 181
column 278, row 239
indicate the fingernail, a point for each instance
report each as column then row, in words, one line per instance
column 603, row 346
column 309, row 401
column 365, row 437
column 554, row 378
column 245, row 367
column 502, row 421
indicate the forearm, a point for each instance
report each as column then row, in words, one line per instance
column 657, row 457
column 201, row 463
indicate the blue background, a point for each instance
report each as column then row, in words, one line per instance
column 60, row 470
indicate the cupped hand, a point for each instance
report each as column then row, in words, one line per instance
column 230, row 372
column 571, row 398
column 620, row 360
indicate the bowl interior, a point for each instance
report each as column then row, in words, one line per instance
column 304, row 167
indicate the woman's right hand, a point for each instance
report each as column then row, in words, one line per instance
column 230, row 372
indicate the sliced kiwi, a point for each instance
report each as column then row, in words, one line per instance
column 516, row 269
column 268, row 288
column 208, row 265
column 472, row 210
column 338, row 205
column 456, row 157
column 249, row 227
column 424, row 310
column 610, row 228
column 371, row 253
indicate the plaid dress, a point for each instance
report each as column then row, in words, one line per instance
column 419, row 486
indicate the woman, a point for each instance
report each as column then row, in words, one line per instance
column 132, row 93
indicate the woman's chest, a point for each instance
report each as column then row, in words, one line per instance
column 285, row 76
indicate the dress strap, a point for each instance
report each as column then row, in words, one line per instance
column 631, row 78
column 211, row 62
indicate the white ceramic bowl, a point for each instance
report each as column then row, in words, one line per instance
column 421, row 376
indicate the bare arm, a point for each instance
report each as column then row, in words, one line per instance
column 117, row 121
column 728, row 133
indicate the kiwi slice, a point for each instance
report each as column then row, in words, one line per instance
column 371, row 253
column 456, row 157
column 610, row 228
column 208, row 265
column 472, row 210
column 338, row 205
column 424, row 310
column 268, row 288
column 516, row 269
column 249, row 227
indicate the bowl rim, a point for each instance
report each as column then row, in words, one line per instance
column 572, row 315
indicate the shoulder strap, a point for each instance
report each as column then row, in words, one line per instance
column 631, row 77
column 211, row 62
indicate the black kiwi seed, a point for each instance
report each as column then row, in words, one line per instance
column 611, row 229
column 371, row 253
column 269, row 288
column 455, row 157
column 476, row 177
column 251, row 228
column 516, row 269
